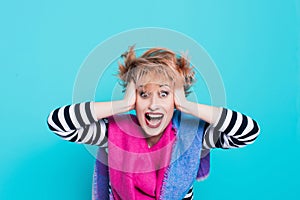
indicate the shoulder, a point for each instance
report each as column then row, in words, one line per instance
column 121, row 118
column 188, row 122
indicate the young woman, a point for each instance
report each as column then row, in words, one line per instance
column 159, row 152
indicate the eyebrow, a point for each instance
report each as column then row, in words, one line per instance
column 164, row 85
column 159, row 85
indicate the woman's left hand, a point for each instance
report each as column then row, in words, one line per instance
column 207, row 113
column 180, row 100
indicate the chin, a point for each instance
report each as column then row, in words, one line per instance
column 154, row 126
column 154, row 123
column 150, row 132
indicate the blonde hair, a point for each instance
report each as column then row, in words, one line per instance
column 156, row 61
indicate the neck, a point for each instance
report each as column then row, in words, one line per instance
column 153, row 139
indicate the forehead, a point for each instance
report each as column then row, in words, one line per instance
column 153, row 86
column 154, row 78
column 154, row 73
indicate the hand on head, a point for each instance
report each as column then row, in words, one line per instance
column 179, row 94
column 130, row 95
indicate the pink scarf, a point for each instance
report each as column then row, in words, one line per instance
column 136, row 171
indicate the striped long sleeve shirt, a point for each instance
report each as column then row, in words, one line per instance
column 78, row 123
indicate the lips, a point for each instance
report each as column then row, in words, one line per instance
column 153, row 120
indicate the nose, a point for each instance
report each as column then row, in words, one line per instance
column 153, row 104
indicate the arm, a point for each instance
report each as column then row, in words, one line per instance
column 85, row 122
column 233, row 130
column 78, row 123
column 209, row 114
column 225, row 128
column 106, row 109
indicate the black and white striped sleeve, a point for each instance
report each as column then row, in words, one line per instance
column 78, row 123
column 233, row 130
column 189, row 195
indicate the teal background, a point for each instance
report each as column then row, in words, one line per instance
column 255, row 45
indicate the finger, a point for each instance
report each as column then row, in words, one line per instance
column 179, row 82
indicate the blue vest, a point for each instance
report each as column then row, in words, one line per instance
column 188, row 161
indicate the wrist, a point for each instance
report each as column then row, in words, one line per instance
column 123, row 106
column 185, row 106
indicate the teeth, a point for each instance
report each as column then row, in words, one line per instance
column 154, row 116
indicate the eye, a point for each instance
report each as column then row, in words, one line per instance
column 144, row 94
column 164, row 94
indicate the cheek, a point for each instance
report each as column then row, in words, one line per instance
column 169, row 107
column 139, row 108
column 169, row 103
column 140, row 104
column 140, row 116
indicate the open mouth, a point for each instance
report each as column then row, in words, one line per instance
column 153, row 120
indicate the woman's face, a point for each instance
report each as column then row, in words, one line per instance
column 154, row 107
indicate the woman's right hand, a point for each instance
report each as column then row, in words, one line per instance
column 106, row 109
column 130, row 95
